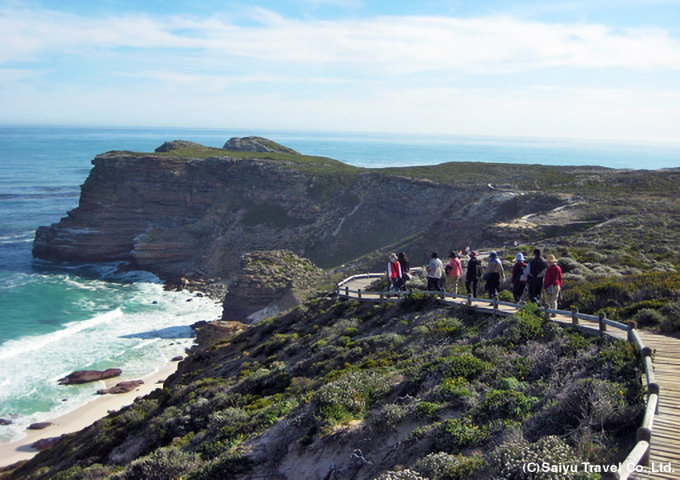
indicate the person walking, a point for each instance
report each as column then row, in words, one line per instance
column 552, row 282
column 494, row 275
column 394, row 273
column 405, row 267
column 435, row 269
column 474, row 271
column 537, row 268
column 455, row 270
column 518, row 280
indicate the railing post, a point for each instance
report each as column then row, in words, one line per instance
column 603, row 326
column 574, row 316
column 546, row 315
column 359, row 293
column 644, row 433
column 653, row 388
column 631, row 326
column 347, row 291
column 495, row 306
column 382, row 299
column 469, row 300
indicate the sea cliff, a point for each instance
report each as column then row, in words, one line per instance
column 188, row 209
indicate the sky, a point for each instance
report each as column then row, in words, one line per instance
column 595, row 69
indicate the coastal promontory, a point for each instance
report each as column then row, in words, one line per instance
column 189, row 209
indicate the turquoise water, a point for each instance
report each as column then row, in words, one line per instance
column 57, row 319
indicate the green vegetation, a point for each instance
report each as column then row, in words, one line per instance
column 466, row 395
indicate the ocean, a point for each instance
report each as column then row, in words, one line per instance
column 56, row 319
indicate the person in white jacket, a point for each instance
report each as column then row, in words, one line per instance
column 435, row 270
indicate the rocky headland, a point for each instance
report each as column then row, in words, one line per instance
column 192, row 211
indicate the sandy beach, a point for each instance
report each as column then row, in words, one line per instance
column 82, row 417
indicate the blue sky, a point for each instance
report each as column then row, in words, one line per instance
column 567, row 68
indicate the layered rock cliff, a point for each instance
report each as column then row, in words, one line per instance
column 185, row 210
column 189, row 209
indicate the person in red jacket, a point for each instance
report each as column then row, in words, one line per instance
column 552, row 282
column 454, row 271
column 394, row 273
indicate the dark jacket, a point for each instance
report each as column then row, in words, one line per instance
column 474, row 269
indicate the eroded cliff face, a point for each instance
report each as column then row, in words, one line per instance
column 178, row 212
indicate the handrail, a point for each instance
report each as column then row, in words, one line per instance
column 639, row 455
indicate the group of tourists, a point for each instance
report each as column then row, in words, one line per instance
column 530, row 280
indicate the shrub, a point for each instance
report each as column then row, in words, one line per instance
column 455, row 434
column 594, row 402
column 388, row 417
column 463, row 366
column 671, row 322
column 508, row 460
column 505, row 404
column 348, row 396
column 163, row 464
column 402, row 475
column 450, row 327
column 510, row 383
column 455, row 389
column 648, row 317
column 443, row 466
column 427, row 410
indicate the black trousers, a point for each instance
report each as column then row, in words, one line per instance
column 535, row 288
column 471, row 282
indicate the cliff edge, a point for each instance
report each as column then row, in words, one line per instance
column 187, row 209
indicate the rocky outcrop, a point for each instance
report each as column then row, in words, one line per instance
column 256, row 144
column 269, row 283
column 191, row 215
column 87, row 376
column 121, row 387
column 192, row 211
column 209, row 333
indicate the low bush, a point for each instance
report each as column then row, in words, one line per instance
column 455, row 434
column 163, row 464
column 505, row 405
column 648, row 317
column 444, row 466
column 510, row 459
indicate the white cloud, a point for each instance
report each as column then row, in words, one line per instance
column 389, row 73
column 383, row 44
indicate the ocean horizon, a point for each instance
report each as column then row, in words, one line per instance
column 61, row 318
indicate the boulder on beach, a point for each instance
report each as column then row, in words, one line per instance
column 44, row 443
column 4, row 421
column 86, row 376
column 39, row 425
column 122, row 387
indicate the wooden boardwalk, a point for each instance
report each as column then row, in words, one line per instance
column 664, row 445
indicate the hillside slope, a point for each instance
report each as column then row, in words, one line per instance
column 342, row 390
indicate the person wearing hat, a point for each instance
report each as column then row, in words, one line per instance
column 474, row 271
column 552, row 282
column 495, row 275
column 393, row 273
column 518, row 280
column 454, row 270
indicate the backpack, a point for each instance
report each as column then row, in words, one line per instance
column 447, row 269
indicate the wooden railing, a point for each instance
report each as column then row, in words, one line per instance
column 639, row 455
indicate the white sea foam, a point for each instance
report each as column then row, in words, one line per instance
column 142, row 329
